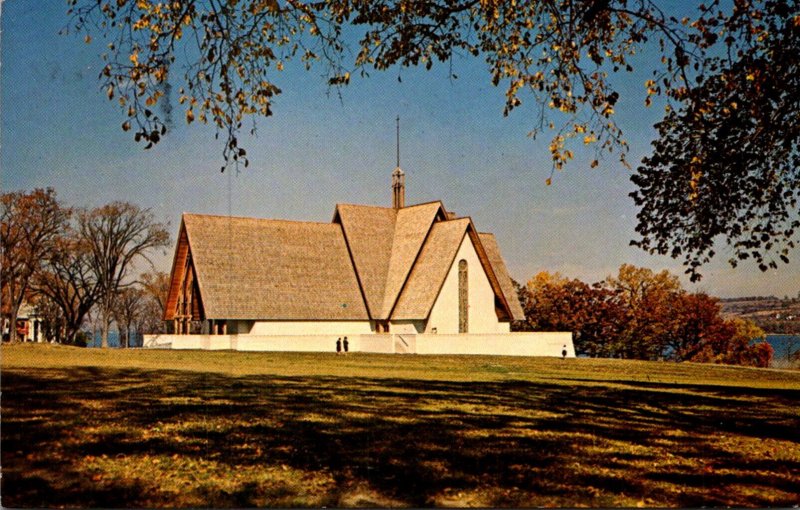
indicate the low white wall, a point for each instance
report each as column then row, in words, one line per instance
column 378, row 343
column 289, row 343
column 206, row 342
column 508, row 344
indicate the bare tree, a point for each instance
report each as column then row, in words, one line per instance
column 52, row 322
column 150, row 318
column 67, row 279
column 119, row 234
column 30, row 224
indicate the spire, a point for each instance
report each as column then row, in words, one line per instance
column 398, row 188
column 398, row 178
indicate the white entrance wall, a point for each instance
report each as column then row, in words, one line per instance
column 482, row 318
column 407, row 327
column 279, row 328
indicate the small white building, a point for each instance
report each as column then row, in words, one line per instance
column 392, row 279
column 29, row 325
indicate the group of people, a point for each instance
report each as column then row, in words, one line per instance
column 340, row 344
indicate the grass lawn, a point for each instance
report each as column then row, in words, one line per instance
column 88, row 427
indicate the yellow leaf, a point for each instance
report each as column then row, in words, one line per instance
column 189, row 116
column 88, row 38
column 548, row 181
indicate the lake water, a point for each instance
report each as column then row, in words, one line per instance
column 784, row 346
column 113, row 339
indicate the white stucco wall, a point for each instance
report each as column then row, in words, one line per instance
column 407, row 327
column 481, row 316
column 509, row 344
column 337, row 328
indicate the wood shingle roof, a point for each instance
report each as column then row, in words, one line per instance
column 369, row 263
column 251, row 268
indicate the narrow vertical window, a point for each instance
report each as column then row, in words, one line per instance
column 463, row 299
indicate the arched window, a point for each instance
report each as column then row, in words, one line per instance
column 463, row 297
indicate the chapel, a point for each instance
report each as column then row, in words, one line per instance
column 371, row 270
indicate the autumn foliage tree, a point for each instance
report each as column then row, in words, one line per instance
column 31, row 221
column 155, row 285
column 641, row 314
column 725, row 161
column 553, row 302
column 646, row 297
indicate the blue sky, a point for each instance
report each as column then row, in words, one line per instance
column 58, row 129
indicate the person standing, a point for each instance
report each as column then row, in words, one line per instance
column 339, row 345
column 563, row 352
column 346, row 345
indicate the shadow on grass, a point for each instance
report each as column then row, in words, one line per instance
column 91, row 438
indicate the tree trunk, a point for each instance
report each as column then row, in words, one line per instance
column 105, row 324
column 12, row 326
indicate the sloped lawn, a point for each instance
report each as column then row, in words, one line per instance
column 93, row 428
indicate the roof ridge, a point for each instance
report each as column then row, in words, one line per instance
column 276, row 220
column 363, row 205
column 390, row 299
column 404, row 307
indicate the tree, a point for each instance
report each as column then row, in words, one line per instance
column 726, row 164
column 745, row 345
column 592, row 313
column 156, row 286
column 695, row 323
column 128, row 306
column 151, row 318
column 51, row 319
column 30, row 224
column 67, row 279
column 647, row 298
column 641, row 314
column 728, row 77
column 118, row 235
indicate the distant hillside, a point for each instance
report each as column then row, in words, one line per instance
column 772, row 314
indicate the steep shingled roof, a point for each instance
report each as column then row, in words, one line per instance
column 489, row 243
column 411, row 229
column 369, row 232
column 369, row 263
column 429, row 272
column 251, row 268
